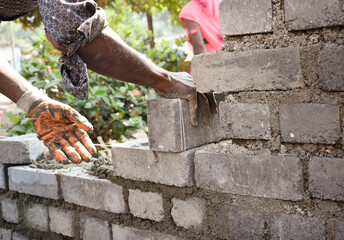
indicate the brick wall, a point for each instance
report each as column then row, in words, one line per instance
column 270, row 165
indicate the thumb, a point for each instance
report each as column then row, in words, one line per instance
column 78, row 119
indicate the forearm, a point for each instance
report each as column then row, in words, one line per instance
column 12, row 84
column 195, row 36
column 110, row 56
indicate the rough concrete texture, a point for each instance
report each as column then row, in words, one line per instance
column 122, row 233
column 309, row 14
column 134, row 160
column 38, row 182
column 189, row 213
column 331, row 65
column 93, row 228
column 10, row 210
column 297, row 227
column 5, row 234
column 147, row 205
column 61, row 221
column 18, row 236
column 272, row 69
column 339, row 230
column 310, row 123
column 85, row 190
column 36, row 216
column 170, row 129
column 231, row 222
column 2, row 177
column 245, row 121
column 326, row 178
column 238, row 17
column 263, row 176
column 27, row 148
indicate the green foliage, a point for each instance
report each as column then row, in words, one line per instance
column 115, row 108
column 20, row 124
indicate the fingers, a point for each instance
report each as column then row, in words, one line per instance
column 70, row 151
column 78, row 119
column 86, row 141
column 203, row 104
column 56, row 151
column 193, row 110
column 84, row 154
column 212, row 102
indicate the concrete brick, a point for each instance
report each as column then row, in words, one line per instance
column 21, row 149
column 37, row 182
column 309, row 14
column 310, row 123
column 10, row 210
column 170, row 129
column 331, row 65
column 297, row 227
column 3, row 177
column 36, row 216
column 5, row 234
column 231, row 222
column 189, row 213
column 262, row 175
column 134, row 160
column 245, row 121
column 127, row 233
column 272, row 69
column 146, row 205
column 82, row 189
column 339, row 230
column 93, row 228
column 326, row 178
column 62, row 221
column 238, row 17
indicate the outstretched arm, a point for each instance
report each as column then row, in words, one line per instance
column 195, row 36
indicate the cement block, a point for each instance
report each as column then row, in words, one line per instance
column 272, row 69
column 3, row 176
column 62, row 221
column 268, row 176
column 238, row 17
column 309, row 14
column 245, row 121
column 18, row 236
column 297, row 227
column 189, row 213
column 37, row 182
column 146, row 205
column 36, row 216
column 5, row 234
column 82, row 189
column 134, row 160
column 326, row 178
column 339, row 230
column 21, row 149
column 93, row 228
column 170, row 129
column 127, row 233
column 231, row 222
column 10, row 210
column 331, row 65
column 310, row 123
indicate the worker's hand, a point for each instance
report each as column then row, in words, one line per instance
column 182, row 86
column 64, row 131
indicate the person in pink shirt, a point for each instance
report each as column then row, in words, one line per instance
column 201, row 19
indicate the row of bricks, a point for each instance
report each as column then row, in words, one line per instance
column 281, row 226
column 241, row 17
column 63, row 221
column 299, row 123
column 269, row 69
column 279, row 177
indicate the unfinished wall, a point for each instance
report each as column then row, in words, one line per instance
column 276, row 170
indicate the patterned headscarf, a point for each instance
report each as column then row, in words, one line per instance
column 210, row 7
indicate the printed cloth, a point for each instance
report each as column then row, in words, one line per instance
column 206, row 14
column 71, row 23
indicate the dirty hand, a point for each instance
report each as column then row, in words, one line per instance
column 182, row 86
column 62, row 129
